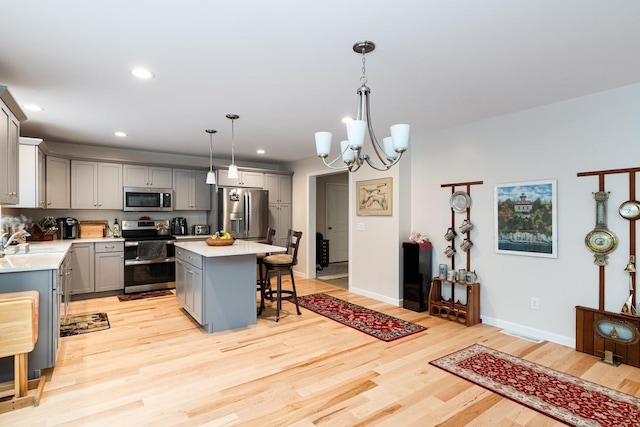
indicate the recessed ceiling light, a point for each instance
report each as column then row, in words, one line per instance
column 33, row 107
column 261, row 151
column 347, row 120
column 142, row 73
column 120, row 134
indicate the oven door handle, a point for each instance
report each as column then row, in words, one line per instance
column 135, row 243
column 128, row 262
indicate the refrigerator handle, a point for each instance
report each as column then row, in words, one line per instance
column 247, row 214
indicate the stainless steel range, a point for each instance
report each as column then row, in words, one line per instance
column 149, row 256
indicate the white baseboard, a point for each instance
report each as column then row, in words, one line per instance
column 378, row 297
column 530, row 332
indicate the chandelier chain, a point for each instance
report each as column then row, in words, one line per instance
column 363, row 78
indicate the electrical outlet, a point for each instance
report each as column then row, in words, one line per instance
column 535, row 303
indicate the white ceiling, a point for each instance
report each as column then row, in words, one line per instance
column 288, row 69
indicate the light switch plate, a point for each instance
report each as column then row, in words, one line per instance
column 360, row 226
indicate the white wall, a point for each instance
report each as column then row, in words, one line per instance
column 596, row 132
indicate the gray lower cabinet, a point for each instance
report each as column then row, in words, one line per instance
column 81, row 257
column 189, row 282
column 97, row 267
column 49, row 284
column 109, row 266
column 218, row 292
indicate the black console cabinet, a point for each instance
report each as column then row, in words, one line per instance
column 417, row 275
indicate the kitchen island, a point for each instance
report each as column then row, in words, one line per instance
column 216, row 285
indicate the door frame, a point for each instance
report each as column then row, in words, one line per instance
column 311, row 219
column 326, row 213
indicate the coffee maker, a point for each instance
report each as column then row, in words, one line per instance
column 67, row 228
column 179, row 226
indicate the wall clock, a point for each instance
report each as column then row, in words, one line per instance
column 600, row 240
column 630, row 210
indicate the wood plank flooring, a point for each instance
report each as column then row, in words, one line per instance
column 155, row 367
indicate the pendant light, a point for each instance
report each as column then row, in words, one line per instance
column 233, row 169
column 211, row 175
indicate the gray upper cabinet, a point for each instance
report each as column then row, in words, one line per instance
column 96, row 185
column 10, row 117
column 147, row 176
column 245, row 179
column 190, row 190
column 31, row 174
column 279, row 187
column 58, row 183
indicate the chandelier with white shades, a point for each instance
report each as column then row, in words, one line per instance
column 392, row 148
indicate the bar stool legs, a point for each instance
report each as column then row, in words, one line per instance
column 288, row 295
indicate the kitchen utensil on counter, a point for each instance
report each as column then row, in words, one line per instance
column 179, row 226
column 93, row 229
column 67, row 228
column 200, row 229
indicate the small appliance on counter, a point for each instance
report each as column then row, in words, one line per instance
column 67, row 228
column 179, row 226
column 200, row 230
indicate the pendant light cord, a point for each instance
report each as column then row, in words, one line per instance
column 233, row 142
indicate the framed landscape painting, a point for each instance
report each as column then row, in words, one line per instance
column 526, row 219
column 374, row 197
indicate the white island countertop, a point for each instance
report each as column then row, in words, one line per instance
column 239, row 247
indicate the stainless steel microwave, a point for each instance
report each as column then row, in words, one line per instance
column 141, row 199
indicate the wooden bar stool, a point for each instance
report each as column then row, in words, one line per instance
column 262, row 280
column 18, row 336
column 279, row 263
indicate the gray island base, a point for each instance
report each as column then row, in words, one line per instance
column 216, row 285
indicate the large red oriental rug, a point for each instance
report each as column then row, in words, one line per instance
column 379, row 325
column 568, row 399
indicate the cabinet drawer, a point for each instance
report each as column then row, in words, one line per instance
column 109, row 247
column 189, row 257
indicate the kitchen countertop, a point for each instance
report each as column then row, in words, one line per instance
column 239, row 247
column 46, row 255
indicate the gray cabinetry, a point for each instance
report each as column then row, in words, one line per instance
column 58, row 183
column 245, row 179
column 96, row 185
column 81, row 255
column 147, row 176
column 10, row 117
column 97, row 267
column 189, row 284
column 191, row 192
column 109, row 266
column 280, row 220
column 32, row 180
column 279, row 187
column 49, row 285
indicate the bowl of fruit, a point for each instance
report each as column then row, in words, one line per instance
column 220, row 238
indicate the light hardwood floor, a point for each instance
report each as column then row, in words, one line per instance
column 155, row 367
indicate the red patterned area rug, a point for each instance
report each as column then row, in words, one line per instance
column 571, row 400
column 379, row 325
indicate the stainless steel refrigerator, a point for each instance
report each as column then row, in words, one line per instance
column 243, row 212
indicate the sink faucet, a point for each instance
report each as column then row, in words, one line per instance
column 6, row 242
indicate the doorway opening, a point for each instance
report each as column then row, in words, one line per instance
column 332, row 228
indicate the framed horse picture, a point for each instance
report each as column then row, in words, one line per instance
column 374, row 197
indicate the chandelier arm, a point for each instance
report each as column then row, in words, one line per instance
column 372, row 135
column 386, row 166
column 330, row 164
